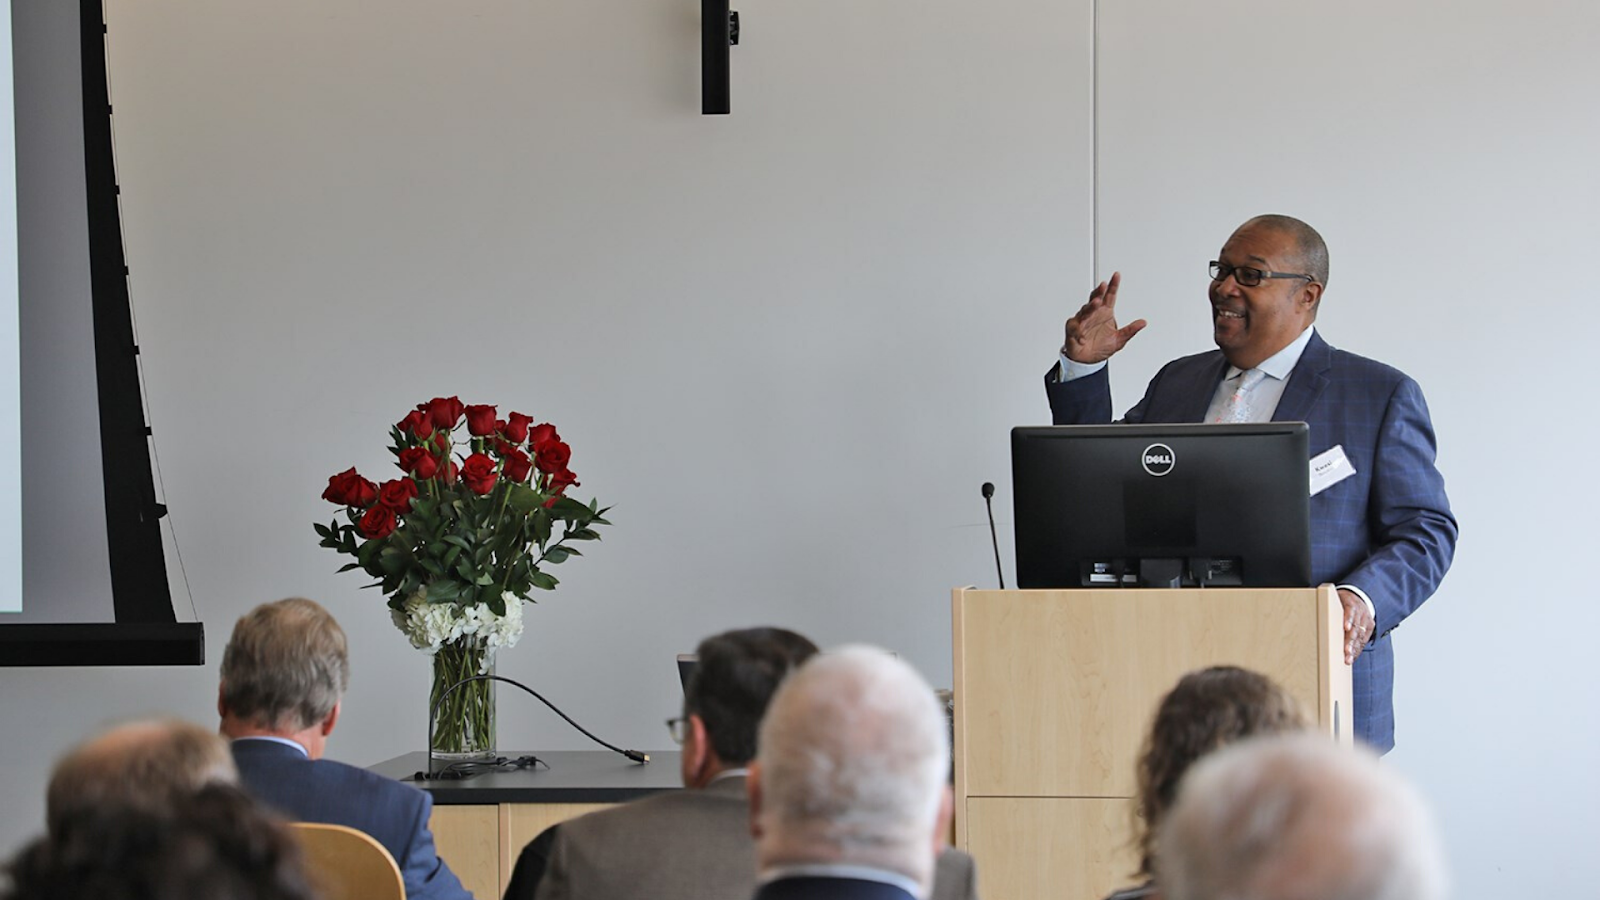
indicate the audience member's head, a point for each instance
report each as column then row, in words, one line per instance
column 213, row 844
column 141, row 764
column 1207, row 709
column 284, row 672
column 1297, row 817
column 734, row 680
column 851, row 768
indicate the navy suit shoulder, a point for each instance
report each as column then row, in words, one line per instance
column 1179, row 392
column 394, row 814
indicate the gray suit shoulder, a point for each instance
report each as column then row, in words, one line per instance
column 955, row 876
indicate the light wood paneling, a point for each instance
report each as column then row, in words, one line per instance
column 468, row 839
column 1056, row 688
column 526, row 820
column 1035, row 848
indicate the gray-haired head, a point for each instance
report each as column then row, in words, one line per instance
column 1297, row 817
column 286, row 666
column 142, row 765
column 851, row 767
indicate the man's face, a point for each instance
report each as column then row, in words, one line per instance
column 1250, row 324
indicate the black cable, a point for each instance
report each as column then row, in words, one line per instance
column 433, row 714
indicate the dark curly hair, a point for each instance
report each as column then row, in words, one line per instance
column 1207, row 709
column 215, row 844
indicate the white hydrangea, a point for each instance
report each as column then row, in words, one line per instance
column 430, row 626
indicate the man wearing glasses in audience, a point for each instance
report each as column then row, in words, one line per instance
column 694, row 843
column 1383, row 531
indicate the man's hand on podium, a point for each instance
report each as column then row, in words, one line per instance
column 1358, row 625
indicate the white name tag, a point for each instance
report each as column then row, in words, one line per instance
column 1329, row 468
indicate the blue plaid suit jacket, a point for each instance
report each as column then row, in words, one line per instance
column 322, row 790
column 1387, row 530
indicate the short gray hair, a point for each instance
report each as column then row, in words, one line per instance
column 1297, row 817
column 853, row 758
column 143, row 765
column 286, row 666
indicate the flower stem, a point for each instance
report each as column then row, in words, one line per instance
column 465, row 723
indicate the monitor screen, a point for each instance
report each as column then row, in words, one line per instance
column 1162, row 505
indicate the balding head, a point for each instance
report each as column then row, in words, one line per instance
column 1310, row 250
column 851, row 767
column 143, row 765
column 1297, row 818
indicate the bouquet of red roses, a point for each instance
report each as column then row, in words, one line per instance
column 470, row 521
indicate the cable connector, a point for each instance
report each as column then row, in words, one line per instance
column 636, row 756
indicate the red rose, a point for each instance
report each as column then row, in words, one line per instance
column 445, row 412
column 478, row 473
column 419, row 462
column 517, row 465
column 560, row 481
column 516, row 427
column 349, row 489
column 416, row 423
column 480, row 420
column 542, row 434
column 449, row 473
column 503, row 448
column 379, row 522
column 552, row 457
column 397, row 494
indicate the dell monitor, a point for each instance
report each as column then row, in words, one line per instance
column 1162, row 505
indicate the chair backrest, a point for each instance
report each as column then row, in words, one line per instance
column 347, row 864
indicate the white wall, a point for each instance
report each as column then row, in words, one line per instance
column 788, row 344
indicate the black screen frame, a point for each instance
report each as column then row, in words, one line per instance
column 1084, row 495
column 146, row 631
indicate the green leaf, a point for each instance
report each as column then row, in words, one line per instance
column 444, row 592
column 556, row 555
column 348, row 566
column 544, row 581
column 568, row 508
column 524, row 499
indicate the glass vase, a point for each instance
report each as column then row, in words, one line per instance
column 463, row 728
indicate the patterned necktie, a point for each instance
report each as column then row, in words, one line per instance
column 1237, row 407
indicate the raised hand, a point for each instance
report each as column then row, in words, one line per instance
column 1092, row 334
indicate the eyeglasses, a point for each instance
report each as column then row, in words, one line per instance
column 1247, row 276
column 679, row 729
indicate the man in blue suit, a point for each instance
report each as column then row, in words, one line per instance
column 1381, row 526
column 284, row 673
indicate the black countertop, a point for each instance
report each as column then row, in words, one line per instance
column 573, row 776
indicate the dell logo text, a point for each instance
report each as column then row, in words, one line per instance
column 1157, row 459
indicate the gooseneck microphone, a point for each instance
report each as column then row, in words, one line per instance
column 988, row 495
column 635, row 755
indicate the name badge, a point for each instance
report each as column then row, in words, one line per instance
column 1329, row 468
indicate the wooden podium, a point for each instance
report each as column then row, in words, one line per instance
column 1054, row 691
